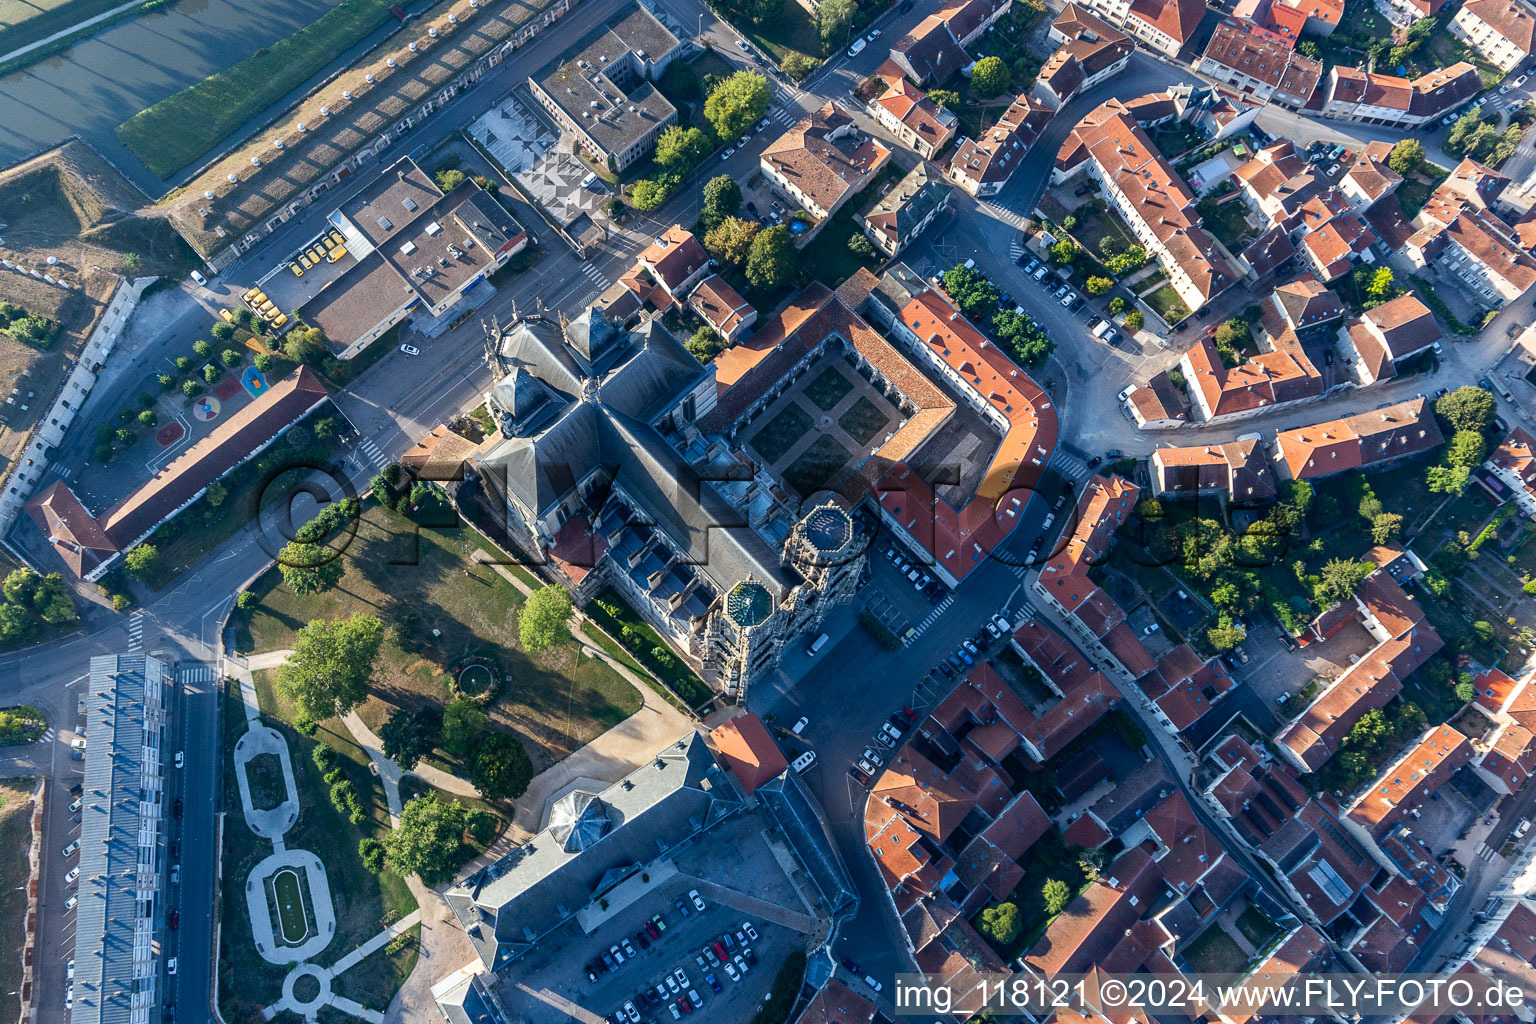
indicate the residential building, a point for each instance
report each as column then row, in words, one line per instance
column 1224, row 393
column 1237, row 471
column 1111, row 146
column 1262, row 64
column 1369, row 180
column 601, row 93
column 982, row 166
column 836, row 1003
column 90, row 545
column 1463, row 240
column 723, row 308
column 122, row 842
column 1322, row 16
column 1157, row 404
column 1356, row 95
column 1092, row 615
column 1513, row 464
column 673, row 263
column 1334, row 239
column 1368, row 441
column 1089, row 51
column 1404, row 641
column 907, row 113
column 823, row 160
column 419, row 254
column 340, row 129
column 1503, row 32
column 1375, row 342
column 906, row 210
column 935, row 50
column 1303, row 304
column 1506, row 757
column 591, row 417
column 1162, row 25
column 1183, row 687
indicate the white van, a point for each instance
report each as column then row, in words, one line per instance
column 857, row 47
column 1104, row 328
column 803, row 762
column 816, row 645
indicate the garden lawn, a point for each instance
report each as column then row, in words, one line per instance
column 373, row 980
column 829, row 388
column 779, row 434
column 185, row 125
column 15, row 840
column 264, row 774
column 815, row 466
column 827, row 258
column 1230, row 225
column 1050, row 857
column 1167, row 304
column 790, row 32
column 364, row 902
column 1215, row 952
column 674, row 673
column 863, row 420
column 418, row 581
column 1095, row 224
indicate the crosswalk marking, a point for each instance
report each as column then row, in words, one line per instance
column 136, row 631
column 372, row 453
column 1015, row 250
column 932, row 617
column 596, row 276
column 1006, row 216
column 783, row 116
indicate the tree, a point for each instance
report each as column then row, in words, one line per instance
column 1099, row 285
column 21, row 585
column 141, row 561
column 1381, row 286
column 1117, row 305
column 448, row 179
column 1057, row 895
column 1309, row 48
column 371, row 852
column 705, row 344
column 989, row 77
column 762, row 12
column 1000, row 923
column 15, row 624
column 1226, row 637
column 132, row 261
column 680, row 148
column 772, row 259
column 1466, row 408
column 730, row 241
column 736, row 102
column 861, row 246
column 202, row 349
column 1466, row 692
column 1340, row 578
column 331, row 664
column 305, row 345
column 1018, row 332
column 969, row 289
column 427, row 840
column 833, row 20
column 501, row 768
column 797, row 65
column 722, row 198
column 222, row 331
column 946, row 98
column 1448, row 479
column 1128, row 262
column 407, row 736
column 1134, row 319
column 1064, row 251
column 231, row 357
column 649, row 193
column 543, row 620
column 310, row 568
column 463, row 722
column 1385, row 526
column 1407, row 157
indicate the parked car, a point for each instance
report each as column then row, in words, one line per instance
column 181, row 759
column 743, row 46
column 661, row 925
column 712, row 982
column 170, row 966
column 730, row 971
column 73, row 874
column 629, row 949
column 682, row 907
column 857, row 47
column 69, row 904
column 698, row 901
column 72, row 849
column 173, row 919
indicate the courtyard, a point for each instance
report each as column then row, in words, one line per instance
column 818, row 432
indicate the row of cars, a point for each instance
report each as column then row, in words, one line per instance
column 920, row 580
column 1054, row 282
column 653, row 930
column 867, row 765
column 675, row 993
column 959, row 663
column 328, row 248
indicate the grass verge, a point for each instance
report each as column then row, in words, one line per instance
column 15, row 840
column 613, row 615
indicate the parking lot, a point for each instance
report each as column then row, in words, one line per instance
column 731, row 869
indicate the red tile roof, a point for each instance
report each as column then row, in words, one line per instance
column 748, row 751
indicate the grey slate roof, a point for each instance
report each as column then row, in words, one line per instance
column 507, row 906
column 116, row 969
